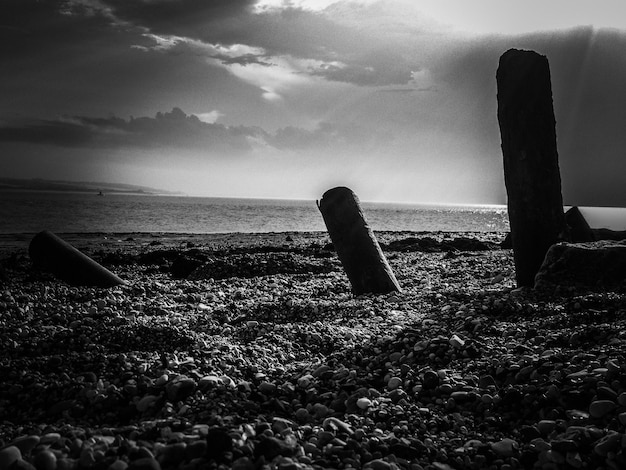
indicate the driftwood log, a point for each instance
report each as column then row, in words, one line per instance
column 52, row 254
column 357, row 248
column 531, row 169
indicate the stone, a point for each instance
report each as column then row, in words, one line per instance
column 45, row 460
column 578, row 228
column 600, row 408
column 8, row 455
column 179, row 389
column 505, row 447
column 144, row 463
column 364, row 403
column 431, row 380
column 456, row 342
column 531, row 168
column 26, row 443
column 600, row 264
column 270, row 447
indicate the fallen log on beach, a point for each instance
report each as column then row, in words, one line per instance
column 52, row 254
column 355, row 243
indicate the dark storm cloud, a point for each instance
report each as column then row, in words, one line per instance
column 173, row 129
column 290, row 31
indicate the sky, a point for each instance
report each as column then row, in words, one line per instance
column 395, row 99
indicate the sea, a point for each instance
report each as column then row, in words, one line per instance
column 67, row 212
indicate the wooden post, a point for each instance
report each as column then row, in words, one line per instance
column 51, row 253
column 531, row 167
column 355, row 243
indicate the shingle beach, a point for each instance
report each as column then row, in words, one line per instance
column 249, row 351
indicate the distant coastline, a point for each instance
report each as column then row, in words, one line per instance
column 100, row 188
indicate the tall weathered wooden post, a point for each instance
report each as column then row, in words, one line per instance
column 355, row 243
column 531, row 167
column 53, row 254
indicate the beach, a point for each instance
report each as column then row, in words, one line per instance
column 249, row 351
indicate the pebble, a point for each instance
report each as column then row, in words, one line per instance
column 364, row 403
column 8, row 455
column 601, row 408
column 431, row 380
column 145, row 463
column 394, row 383
column 146, row 402
column 456, row 342
column 45, row 460
column 26, row 443
column 505, row 447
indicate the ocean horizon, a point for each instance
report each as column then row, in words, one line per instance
column 24, row 211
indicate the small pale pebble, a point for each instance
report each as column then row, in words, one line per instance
column 621, row 399
column 364, row 403
column 600, row 408
column 456, row 342
column 252, row 324
column 622, row 418
column 8, row 455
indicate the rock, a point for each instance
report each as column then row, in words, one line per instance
column 456, row 342
column 145, row 463
column 179, row 389
column 608, row 443
column 26, row 443
column 601, row 408
column 23, row 465
column 119, row 464
column 270, row 447
column 45, row 460
column 394, row 383
column 505, row 448
column 579, row 230
column 184, row 265
column 431, row 380
column 599, row 264
column 364, row 403
column 8, row 455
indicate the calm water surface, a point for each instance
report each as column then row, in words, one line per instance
column 32, row 211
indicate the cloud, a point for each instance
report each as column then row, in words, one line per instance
column 173, row 129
